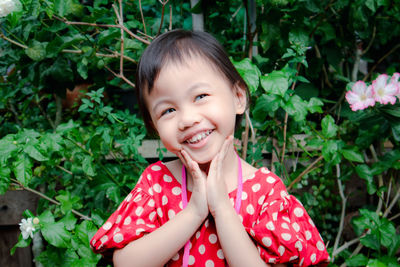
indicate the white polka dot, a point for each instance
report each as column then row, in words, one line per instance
column 320, row 246
column 164, row 200
column 244, row 195
column 118, row 238
column 116, row 230
column 167, row 178
column 157, row 188
column 298, row 212
column 128, row 197
column 150, row 191
column 311, row 222
column 293, row 258
column 270, row 226
column 155, row 168
column 150, row 225
column 107, row 226
column 272, row 202
column 159, row 212
column 119, row 217
column 139, row 221
column 240, row 218
column 151, row 203
column 197, row 235
column 313, row 257
column 176, row 257
column 220, row 254
column 281, row 250
column 250, row 209
column 94, row 242
column 308, row 235
column 274, row 216
column 286, row 236
column 284, row 194
column 301, row 262
column 137, row 198
column 261, row 200
column 171, row 214
column 176, row 191
column 139, row 231
column 271, row 180
column 252, row 232
column 286, row 219
column 149, row 177
column 271, row 260
column 271, row 192
column 202, row 249
column 104, row 239
column 285, row 226
column 256, row 188
column 252, row 177
column 207, row 223
column 267, row 241
column 191, row 260
column 299, row 246
column 209, row 263
column 127, row 220
column 181, row 205
column 152, row 215
column 296, row 227
column 264, row 170
column 139, row 211
column 212, row 238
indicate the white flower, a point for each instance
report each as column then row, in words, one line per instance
column 360, row 97
column 8, row 6
column 396, row 81
column 26, row 227
column 383, row 91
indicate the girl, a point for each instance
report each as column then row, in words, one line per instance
column 209, row 207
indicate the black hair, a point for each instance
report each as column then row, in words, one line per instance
column 176, row 46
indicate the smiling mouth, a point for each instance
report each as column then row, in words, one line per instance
column 198, row 137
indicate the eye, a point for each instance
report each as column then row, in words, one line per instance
column 200, row 97
column 167, row 111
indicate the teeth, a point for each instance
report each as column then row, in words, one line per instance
column 198, row 137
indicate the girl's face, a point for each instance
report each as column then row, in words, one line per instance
column 193, row 107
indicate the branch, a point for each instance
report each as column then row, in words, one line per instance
column 344, row 201
column 380, row 61
column 307, row 170
column 346, row 245
column 162, row 15
column 17, row 183
column 12, row 108
column 394, row 201
column 141, row 14
column 121, row 77
column 12, row 41
column 370, row 41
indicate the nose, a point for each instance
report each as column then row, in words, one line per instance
column 188, row 118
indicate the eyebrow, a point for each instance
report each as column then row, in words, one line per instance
column 190, row 89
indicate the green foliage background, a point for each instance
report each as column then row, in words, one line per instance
column 299, row 57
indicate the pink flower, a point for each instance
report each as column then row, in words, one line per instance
column 360, row 96
column 395, row 80
column 384, row 92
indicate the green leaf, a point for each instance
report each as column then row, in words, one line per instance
column 329, row 149
column 275, row 83
column 7, row 147
column 371, row 241
column 34, row 153
column 249, row 72
column 366, row 173
column 296, row 107
column 4, row 179
column 46, row 217
column 376, row 263
column 329, row 128
column 197, row 9
column 371, row 5
column 265, row 104
column 68, row 201
column 22, row 243
column 22, row 168
column 69, row 221
column 56, row 234
column 353, row 155
column 315, row 105
column 36, row 51
column 83, row 69
column 357, row 260
column 63, row 7
column 87, row 166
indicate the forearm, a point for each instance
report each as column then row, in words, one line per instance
column 239, row 250
column 158, row 247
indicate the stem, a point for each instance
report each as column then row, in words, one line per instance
column 141, row 14
column 13, row 111
column 380, row 179
column 346, row 245
column 12, row 41
column 121, row 77
column 57, row 121
column 65, row 170
column 344, row 200
column 37, row 102
column 307, row 170
column 394, row 201
column 380, row 61
column 162, row 16
column 17, row 183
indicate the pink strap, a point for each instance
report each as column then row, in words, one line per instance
column 238, row 202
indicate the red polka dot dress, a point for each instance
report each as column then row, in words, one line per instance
column 276, row 221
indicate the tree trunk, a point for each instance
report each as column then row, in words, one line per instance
column 197, row 19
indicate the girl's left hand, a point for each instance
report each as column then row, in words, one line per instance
column 217, row 193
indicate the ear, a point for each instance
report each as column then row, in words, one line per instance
column 240, row 98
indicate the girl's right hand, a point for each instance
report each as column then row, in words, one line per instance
column 198, row 200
